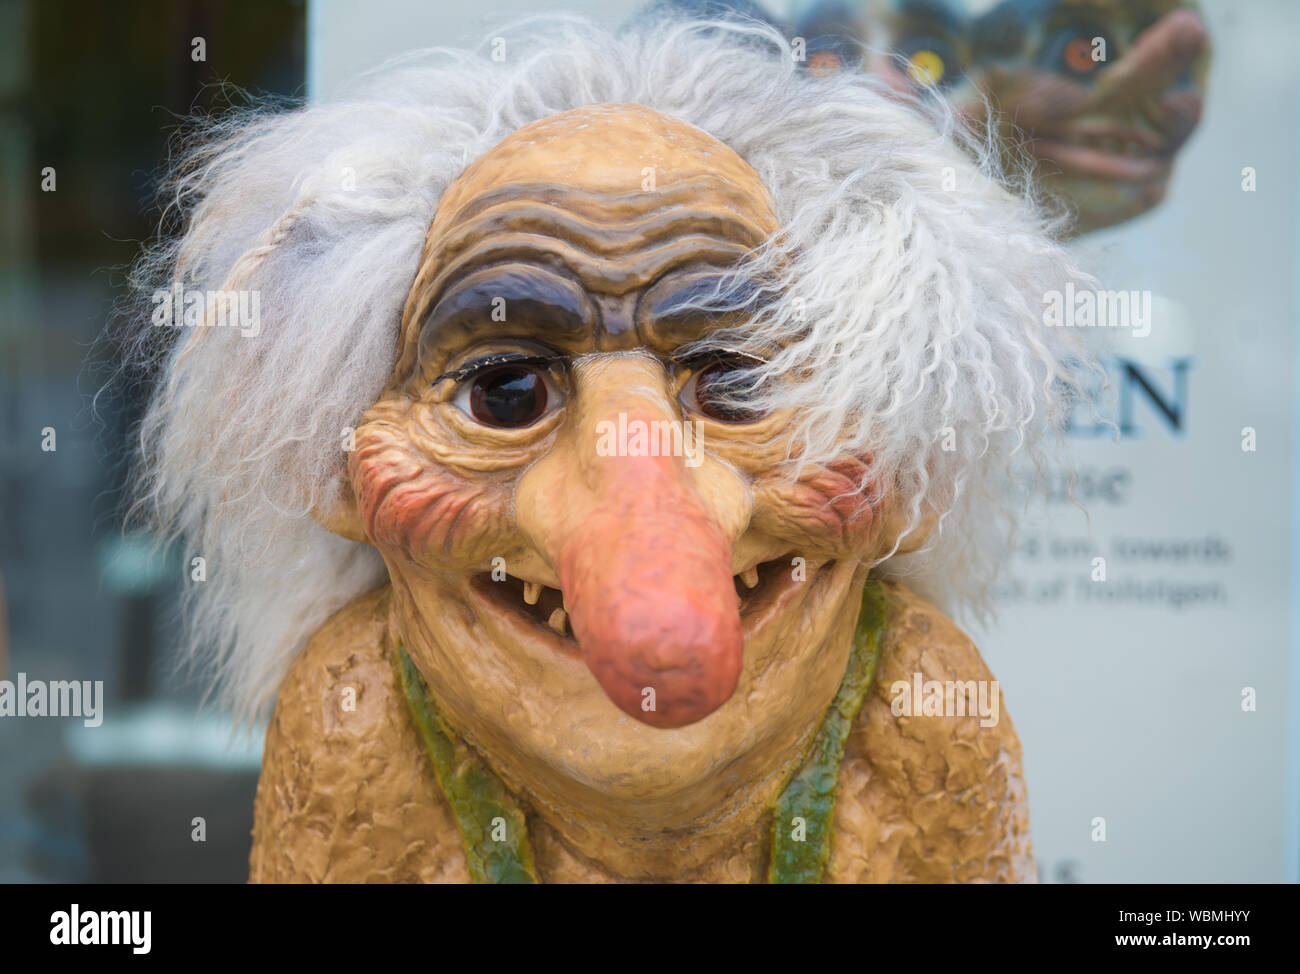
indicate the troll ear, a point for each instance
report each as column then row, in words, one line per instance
column 895, row 523
column 339, row 513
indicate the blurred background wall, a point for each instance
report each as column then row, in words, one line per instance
column 89, row 94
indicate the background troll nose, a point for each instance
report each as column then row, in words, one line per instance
column 646, row 574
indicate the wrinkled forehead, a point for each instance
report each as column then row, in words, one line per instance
column 579, row 216
column 603, row 149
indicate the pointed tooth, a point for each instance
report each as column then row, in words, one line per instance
column 557, row 620
column 532, row 592
column 750, row 577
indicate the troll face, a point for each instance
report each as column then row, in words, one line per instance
column 630, row 412
column 1106, row 91
column 690, row 588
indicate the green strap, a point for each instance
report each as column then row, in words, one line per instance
column 801, row 824
column 491, row 823
column 493, row 828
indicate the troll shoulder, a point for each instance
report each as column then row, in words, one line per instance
column 930, row 797
column 343, row 765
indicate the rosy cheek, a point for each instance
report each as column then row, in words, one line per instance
column 826, row 503
column 409, row 503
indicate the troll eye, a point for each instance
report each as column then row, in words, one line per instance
column 719, row 389
column 823, row 63
column 509, row 396
column 928, row 61
column 1071, row 52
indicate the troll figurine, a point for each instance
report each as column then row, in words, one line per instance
column 1102, row 94
column 616, row 412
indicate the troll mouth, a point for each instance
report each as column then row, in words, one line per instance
column 544, row 606
column 1116, row 152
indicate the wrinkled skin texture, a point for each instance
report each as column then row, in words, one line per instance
column 1104, row 133
column 707, row 578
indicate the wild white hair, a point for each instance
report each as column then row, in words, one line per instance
column 905, row 319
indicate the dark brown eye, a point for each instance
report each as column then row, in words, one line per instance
column 719, row 391
column 508, row 396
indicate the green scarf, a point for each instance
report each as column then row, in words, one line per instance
column 492, row 824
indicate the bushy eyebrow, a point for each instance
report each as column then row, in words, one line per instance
column 712, row 295
column 519, row 295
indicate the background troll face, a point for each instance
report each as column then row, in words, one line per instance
column 673, row 580
column 1102, row 93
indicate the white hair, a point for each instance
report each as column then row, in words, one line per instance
column 907, row 310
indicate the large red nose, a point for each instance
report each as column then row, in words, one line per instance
column 647, row 581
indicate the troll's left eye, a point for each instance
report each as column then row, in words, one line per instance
column 720, row 391
column 1077, row 52
column 508, row 396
